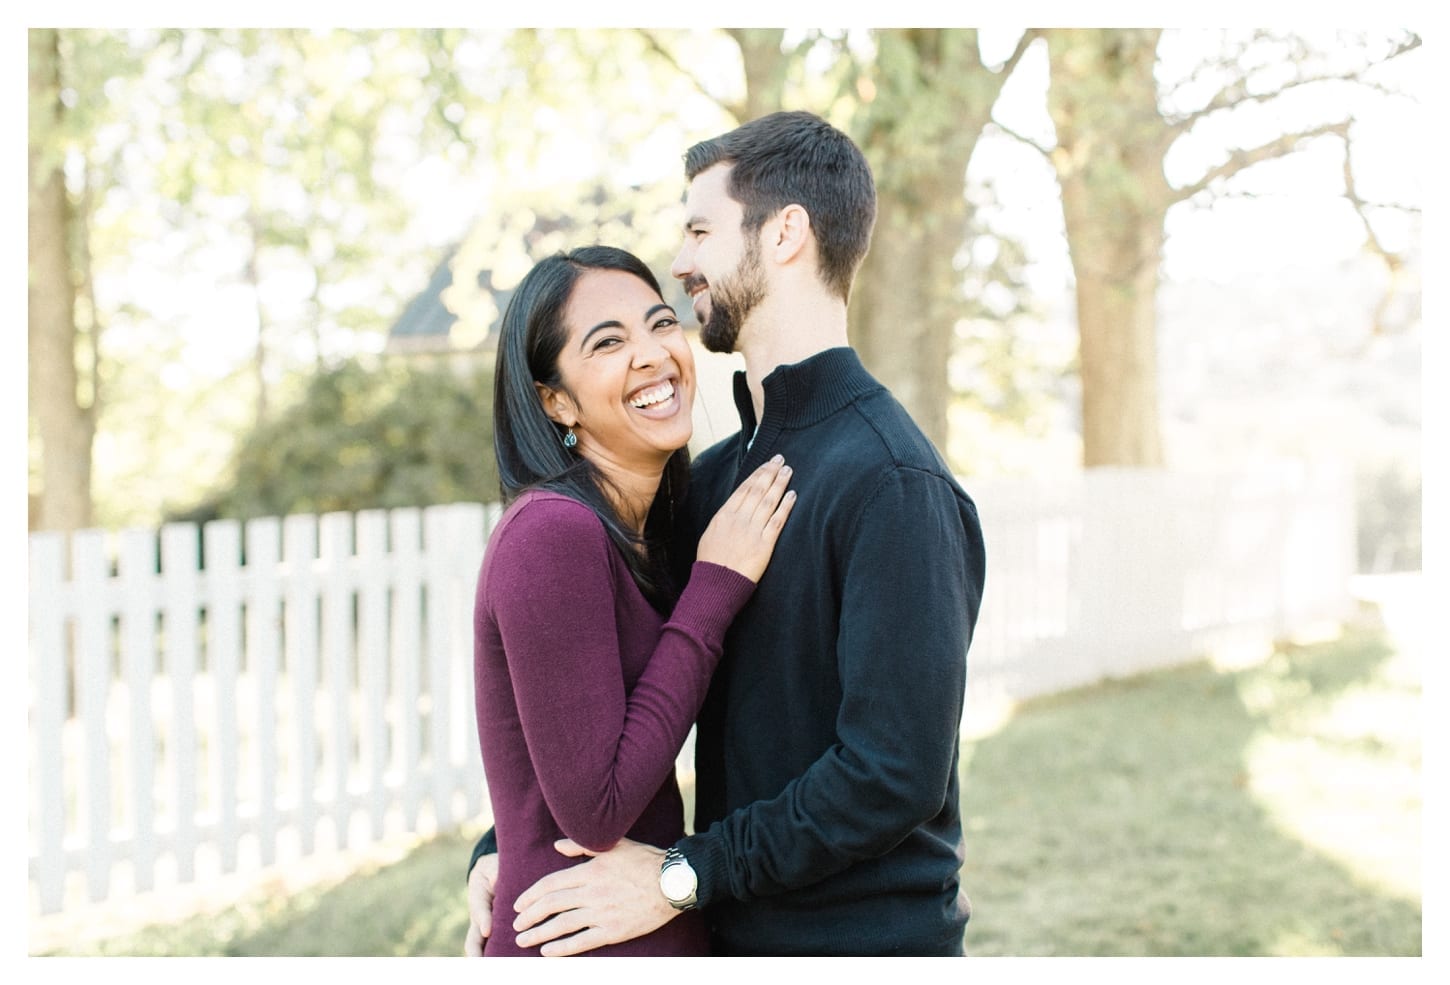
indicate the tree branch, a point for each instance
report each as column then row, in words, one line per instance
column 1246, row 157
column 654, row 44
column 1023, row 43
column 1044, row 151
column 1393, row 262
column 1236, row 94
column 1232, row 194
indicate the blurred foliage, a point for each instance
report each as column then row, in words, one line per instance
column 1388, row 506
column 367, row 436
column 264, row 202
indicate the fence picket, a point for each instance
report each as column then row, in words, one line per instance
column 299, row 554
column 372, row 614
column 222, row 545
column 264, row 626
column 439, row 546
column 179, row 554
column 48, row 659
column 404, row 656
column 470, row 522
column 137, row 573
column 337, row 642
column 90, row 568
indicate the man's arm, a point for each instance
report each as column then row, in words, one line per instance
column 613, row 897
column 482, row 875
column 912, row 588
column 480, row 880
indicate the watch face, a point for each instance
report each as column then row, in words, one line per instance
column 677, row 882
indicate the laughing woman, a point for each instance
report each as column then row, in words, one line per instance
column 589, row 666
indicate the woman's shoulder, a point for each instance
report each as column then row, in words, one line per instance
column 541, row 519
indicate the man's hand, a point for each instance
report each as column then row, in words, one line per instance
column 613, row 897
column 481, row 879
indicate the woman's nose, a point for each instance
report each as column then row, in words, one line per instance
column 650, row 352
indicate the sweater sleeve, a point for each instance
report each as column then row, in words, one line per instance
column 911, row 588
column 600, row 753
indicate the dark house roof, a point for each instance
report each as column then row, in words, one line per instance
column 425, row 321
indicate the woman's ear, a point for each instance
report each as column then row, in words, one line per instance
column 557, row 405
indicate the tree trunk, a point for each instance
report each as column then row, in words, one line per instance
column 259, row 352
column 66, row 428
column 1109, row 161
column 932, row 97
column 904, row 304
column 765, row 70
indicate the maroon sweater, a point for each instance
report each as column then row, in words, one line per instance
column 584, row 695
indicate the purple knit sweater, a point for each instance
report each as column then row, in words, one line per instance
column 584, row 695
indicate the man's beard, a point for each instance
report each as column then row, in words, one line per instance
column 732, row 301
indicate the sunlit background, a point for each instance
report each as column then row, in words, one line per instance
column 289, row 249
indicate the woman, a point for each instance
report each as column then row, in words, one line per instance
column 589, row 669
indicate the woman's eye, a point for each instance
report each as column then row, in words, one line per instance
column 664, row 323
column 605, row 344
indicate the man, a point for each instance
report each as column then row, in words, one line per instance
column 827, row 818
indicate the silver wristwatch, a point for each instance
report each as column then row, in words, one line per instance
column 677, row 880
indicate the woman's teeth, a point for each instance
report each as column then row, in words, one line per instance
column 654, row 395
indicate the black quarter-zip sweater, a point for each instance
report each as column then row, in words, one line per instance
column 827, row 809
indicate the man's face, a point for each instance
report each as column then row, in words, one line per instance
column 719, row 263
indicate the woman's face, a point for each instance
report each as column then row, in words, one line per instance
column 627, row 372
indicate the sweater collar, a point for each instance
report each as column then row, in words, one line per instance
column 804, row 393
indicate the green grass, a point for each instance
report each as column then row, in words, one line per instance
column 411, row 907
column 1272, row 810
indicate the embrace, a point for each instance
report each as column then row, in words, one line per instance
column 803, row 593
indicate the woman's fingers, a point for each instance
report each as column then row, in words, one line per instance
column 782, row 511
column 763, row 488
column 771, row 496
column 743, row 534
column 744, row 498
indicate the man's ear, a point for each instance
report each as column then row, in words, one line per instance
column 790, row 233
column 557, row 405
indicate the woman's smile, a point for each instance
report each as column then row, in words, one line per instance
column 656, row 400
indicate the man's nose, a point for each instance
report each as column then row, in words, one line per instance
column 683, row 264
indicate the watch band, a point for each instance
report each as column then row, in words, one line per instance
column 678, row 882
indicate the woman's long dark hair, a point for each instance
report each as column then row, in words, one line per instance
column 529, row 446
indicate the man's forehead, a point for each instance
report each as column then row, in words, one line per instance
column 708, row 193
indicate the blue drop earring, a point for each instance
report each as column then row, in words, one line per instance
column 570, row 438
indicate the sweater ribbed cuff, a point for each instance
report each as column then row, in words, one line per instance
column 712, row 599
column 706, row 855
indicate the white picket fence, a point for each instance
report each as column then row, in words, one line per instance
column 1119, row 571
column 262, row 685
column 291, row 687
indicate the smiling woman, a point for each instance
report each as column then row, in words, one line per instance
column 626, row 383
column 589, row 667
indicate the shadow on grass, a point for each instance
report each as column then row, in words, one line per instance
column 1125, row 819
column 412, row 907
column 1131, row 818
